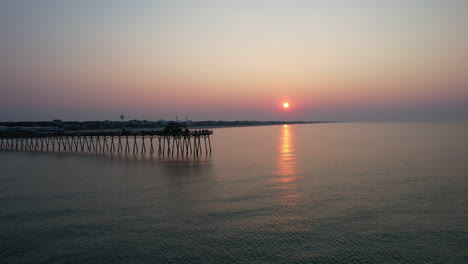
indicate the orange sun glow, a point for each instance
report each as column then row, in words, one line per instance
column 286, row 105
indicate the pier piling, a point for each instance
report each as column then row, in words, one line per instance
column 172, row 141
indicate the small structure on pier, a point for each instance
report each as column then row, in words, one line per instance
column 176, row 128
column 174, row 139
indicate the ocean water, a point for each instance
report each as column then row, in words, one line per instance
column 315, row 193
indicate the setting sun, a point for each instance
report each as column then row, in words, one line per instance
column 286, row 105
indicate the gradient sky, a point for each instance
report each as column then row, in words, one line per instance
column 234, row 60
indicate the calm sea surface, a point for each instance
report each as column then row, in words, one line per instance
column 316, row 193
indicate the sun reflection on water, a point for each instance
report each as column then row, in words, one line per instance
column 286, row 175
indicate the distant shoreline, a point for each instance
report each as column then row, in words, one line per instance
column 133, row 125
column 214, row 126
column 261, row 124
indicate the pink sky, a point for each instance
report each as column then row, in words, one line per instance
column 220, row 60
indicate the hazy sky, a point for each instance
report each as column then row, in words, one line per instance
column 234, row 60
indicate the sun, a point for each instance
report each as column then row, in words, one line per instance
column 285, row 105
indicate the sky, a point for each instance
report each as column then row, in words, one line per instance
column 340, row 60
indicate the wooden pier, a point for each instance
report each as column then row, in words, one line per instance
column 174, row 140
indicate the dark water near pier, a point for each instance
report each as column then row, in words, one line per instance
column 327, row 193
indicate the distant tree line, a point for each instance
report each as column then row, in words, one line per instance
column 81, row 125
column 77, row 125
